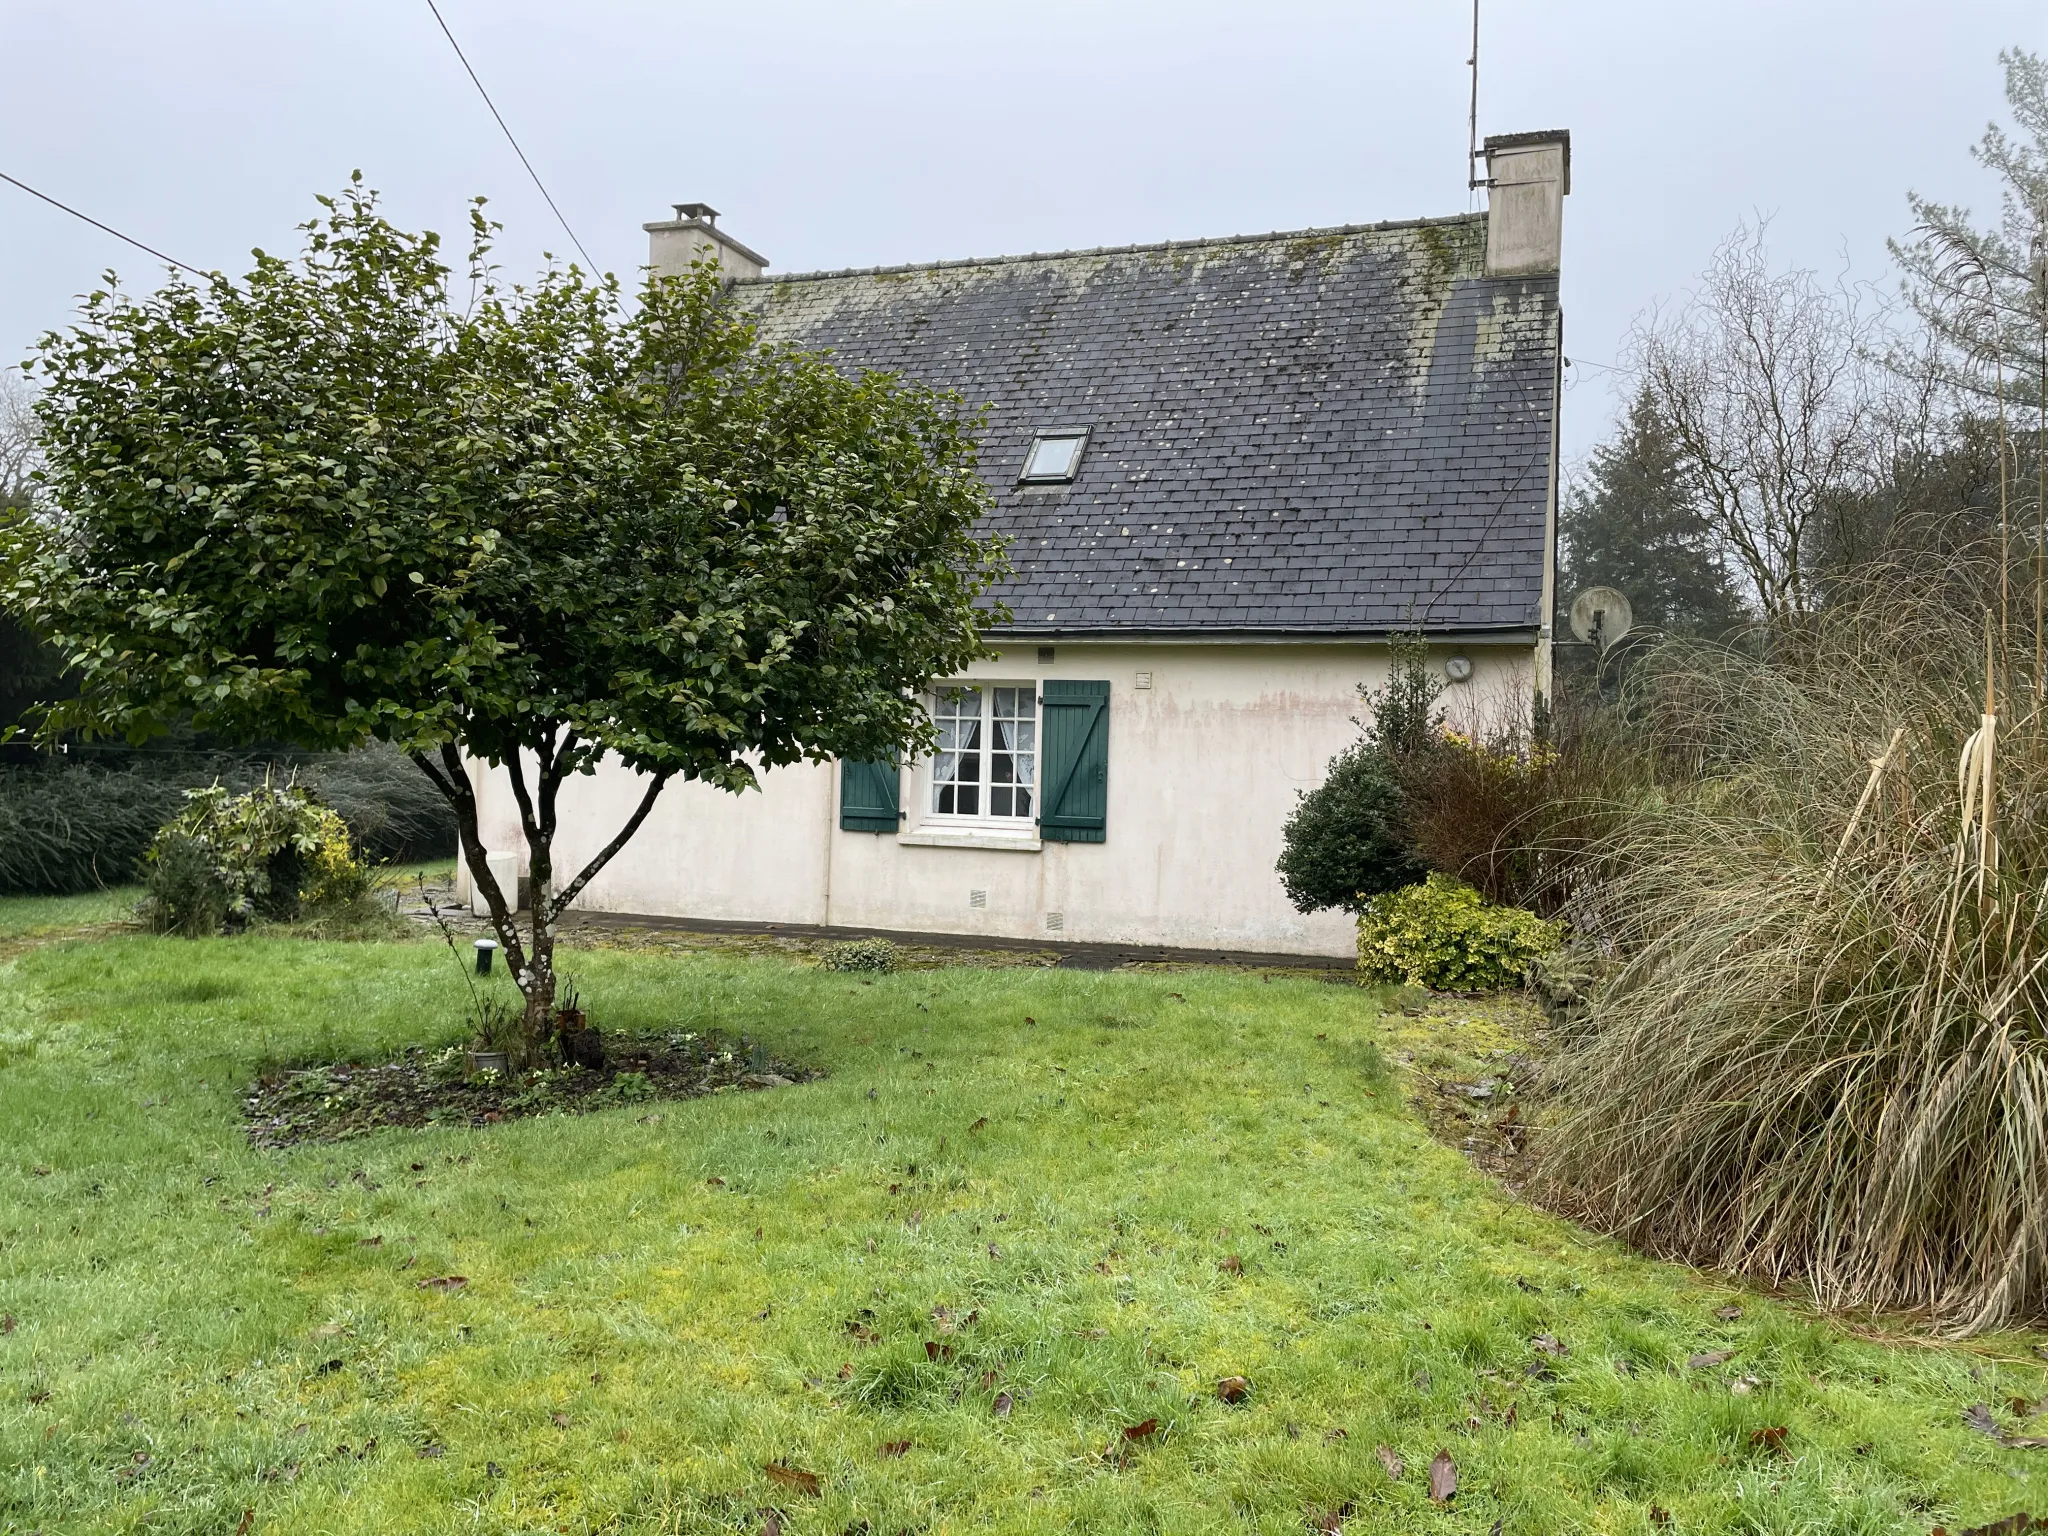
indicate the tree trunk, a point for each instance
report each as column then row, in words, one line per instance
column 537, row 982
column 532, row 961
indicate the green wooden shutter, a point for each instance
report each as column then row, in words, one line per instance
column 868, row 798
column 1073, row 764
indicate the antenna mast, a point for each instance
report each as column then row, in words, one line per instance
column 1473, row 180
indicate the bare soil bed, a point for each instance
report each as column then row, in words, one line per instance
column 337, row 1100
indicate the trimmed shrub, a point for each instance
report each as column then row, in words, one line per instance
column 877, row 955
column 1347, row 840
column 1345, row 844
column 272, row 854
column 1444, row 935
column 66, row 828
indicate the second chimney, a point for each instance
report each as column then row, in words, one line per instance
column 693, row 235
column 1527, row 177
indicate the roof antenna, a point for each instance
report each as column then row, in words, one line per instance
column 1474, row 181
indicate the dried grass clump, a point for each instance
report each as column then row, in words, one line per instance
column 1824, row 1058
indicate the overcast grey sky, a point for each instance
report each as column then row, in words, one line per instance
column 837, row 133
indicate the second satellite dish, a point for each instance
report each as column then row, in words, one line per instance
column 1600, row 616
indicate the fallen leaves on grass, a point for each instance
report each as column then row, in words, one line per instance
column 559, row 1420
column 1547, row 1344
column 1233, row 1389
column 1978, row 1417
column 980, row 1124
column 1137, row 1432
column 2011, row 1525
column 1329, row 1519
column 1391, row 1460
column 1729, row 1313
column 1707, row 1359
column 1772, row 1439
column 1003, row 1404
column 444, row 1283
column 807, row 1483
column 1443, row 1478
column 1232, row 1265
column 891, row 1449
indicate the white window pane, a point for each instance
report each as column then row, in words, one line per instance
column 1053, row 458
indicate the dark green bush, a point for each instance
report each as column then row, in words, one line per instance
column 186, row 894
column 1347, row 840
column 1344, row 844
column 66, row 828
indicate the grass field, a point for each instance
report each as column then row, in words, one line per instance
column 1081, row 1197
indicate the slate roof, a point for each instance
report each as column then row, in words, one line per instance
column 1331, row 432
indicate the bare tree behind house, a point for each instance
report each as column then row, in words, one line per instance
column 18, row 452
column 1766, row 383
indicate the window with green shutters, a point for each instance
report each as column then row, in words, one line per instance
column 869, row 796
column 1073, row 773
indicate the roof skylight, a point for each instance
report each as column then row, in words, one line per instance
column 1054, row 457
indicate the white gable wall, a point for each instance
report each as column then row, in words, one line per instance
column 1204, row 766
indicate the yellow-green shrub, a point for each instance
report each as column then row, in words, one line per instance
column 271, row 853
column 1444, row 935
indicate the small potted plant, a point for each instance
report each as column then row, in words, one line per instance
column 491, row 1051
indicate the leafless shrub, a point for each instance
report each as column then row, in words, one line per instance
column 1766, row 381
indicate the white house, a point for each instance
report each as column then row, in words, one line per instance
column 1228, row 470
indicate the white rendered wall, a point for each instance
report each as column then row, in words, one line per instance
column 1204, row 766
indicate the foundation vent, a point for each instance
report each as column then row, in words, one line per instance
column 977, row 898
column 1055, row 921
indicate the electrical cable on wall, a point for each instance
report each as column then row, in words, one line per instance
column 473, row 80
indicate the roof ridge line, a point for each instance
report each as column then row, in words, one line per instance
column 766, row 280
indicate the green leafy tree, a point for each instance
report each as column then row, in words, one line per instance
column 544, row 527
column 1634, row 524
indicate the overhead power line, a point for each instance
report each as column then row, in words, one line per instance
column 96, row 224
column 473, row 80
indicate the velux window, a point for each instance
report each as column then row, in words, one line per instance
column 1054, row 458
column 987, row 763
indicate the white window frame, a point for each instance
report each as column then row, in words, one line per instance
column 931, row 827
column 1078, row 436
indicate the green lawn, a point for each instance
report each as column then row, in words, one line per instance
column 1013, row 1181
column 28, row 916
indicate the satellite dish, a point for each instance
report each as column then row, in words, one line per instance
column 1601, row 616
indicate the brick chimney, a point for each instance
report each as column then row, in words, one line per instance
column 1527, row 177
column 693, row 235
